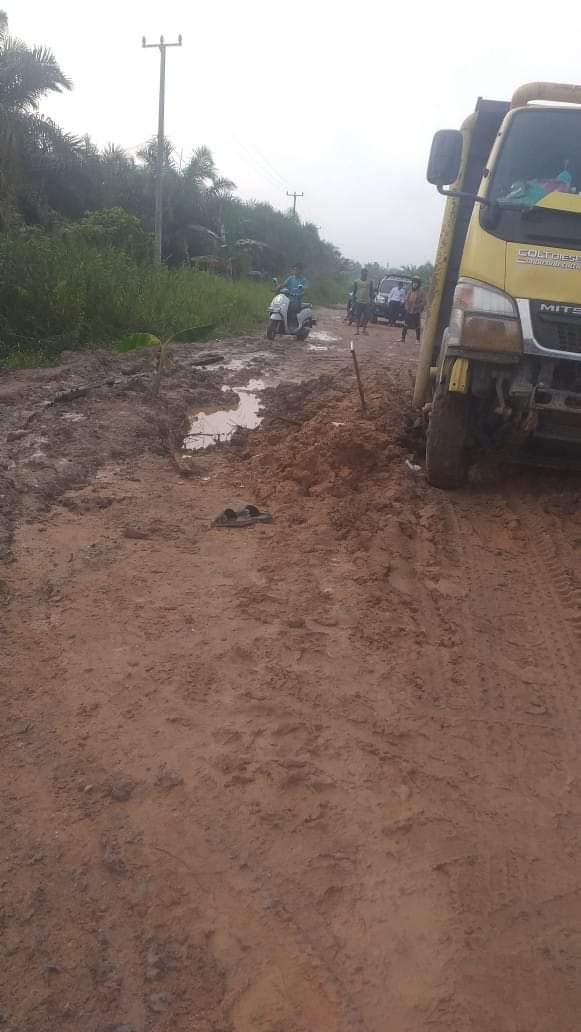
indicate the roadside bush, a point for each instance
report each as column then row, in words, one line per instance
column 326, row 291
column 58, row 294
column 112, row 227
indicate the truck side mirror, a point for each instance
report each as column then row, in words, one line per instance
column 445, row 158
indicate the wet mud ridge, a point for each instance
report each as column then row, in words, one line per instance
column 317, row 774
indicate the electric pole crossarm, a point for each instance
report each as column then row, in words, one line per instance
column 162, row 47
column 162, row 43
column 294, row 196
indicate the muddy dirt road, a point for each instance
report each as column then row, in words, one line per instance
column 318, row 775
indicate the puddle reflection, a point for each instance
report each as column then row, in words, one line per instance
column 208, row 428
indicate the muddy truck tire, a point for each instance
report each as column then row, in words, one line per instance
column 446, row 451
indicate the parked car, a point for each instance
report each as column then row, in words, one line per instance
column 380, row 301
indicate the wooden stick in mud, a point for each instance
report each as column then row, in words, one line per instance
column 359, row 384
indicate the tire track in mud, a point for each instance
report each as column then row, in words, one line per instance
column 476, row 720
column 314, row 692
column 556, row 606
column 311, row 990
column 508, row 612
column 304, row 952
column 313, row 995
column 559, row 581
column 526, row 720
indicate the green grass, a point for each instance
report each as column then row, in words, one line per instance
column 56, row 295
column 66, row 295
column 324, row 291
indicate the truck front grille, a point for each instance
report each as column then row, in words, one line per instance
column 568, row 338
column 556, row 332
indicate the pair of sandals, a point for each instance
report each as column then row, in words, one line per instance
column 245, row 517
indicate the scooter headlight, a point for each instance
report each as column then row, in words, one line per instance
column 484, row 319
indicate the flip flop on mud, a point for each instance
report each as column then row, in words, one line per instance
column 245, row 517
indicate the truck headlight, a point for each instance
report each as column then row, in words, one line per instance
column 484, row 319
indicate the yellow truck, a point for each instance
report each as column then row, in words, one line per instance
column 500, row 360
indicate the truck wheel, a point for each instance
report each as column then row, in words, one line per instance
column 446, row 452
column 271, row 329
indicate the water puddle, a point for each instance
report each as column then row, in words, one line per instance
column 214, row 427
column 323, row 337
column 247, row 361
column 234, row 363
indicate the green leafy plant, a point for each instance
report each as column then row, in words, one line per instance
column 133, row 341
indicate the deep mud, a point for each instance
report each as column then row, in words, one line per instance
column 317, row 775
column 59, row 425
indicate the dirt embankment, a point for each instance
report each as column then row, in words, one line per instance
column 321, row 774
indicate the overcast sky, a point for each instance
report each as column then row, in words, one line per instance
column 337, row 100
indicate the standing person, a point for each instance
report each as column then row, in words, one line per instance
column 350, row 303
column 395, row 299
column 362, row 296
column 414, row 305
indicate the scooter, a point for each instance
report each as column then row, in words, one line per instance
column 282, row 321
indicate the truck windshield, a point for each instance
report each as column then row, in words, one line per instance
column 541, row 154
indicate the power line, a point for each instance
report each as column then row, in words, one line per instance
column 254, row 167
column 258, row 166
column 254, row 163
column 268, row 164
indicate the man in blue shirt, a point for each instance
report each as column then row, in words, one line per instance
column 295, row 283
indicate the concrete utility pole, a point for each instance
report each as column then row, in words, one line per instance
column 162, row 47
column 294, row 197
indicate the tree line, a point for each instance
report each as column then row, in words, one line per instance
column 52, row 179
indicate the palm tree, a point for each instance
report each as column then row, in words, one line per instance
column 202, row 193
column 148, row 154
column 201, row 168
column 222, row 187
column 113, row 154
column 88, row 151
column 30, row 143
column 423, row 272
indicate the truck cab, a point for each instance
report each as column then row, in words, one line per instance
column 500, row 362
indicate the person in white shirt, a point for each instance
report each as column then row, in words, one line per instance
column 395, row 300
